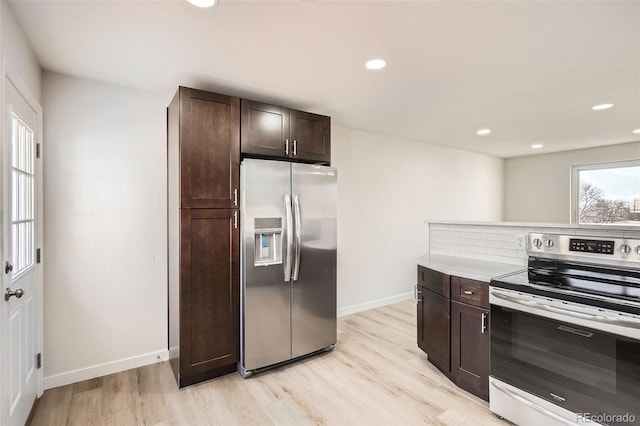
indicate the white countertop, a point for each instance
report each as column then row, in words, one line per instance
column 473, row 269
column 541, row 225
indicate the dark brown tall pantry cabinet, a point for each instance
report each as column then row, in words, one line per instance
column 203, row 156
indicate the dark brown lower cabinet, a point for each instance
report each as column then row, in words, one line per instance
column 433, row 327
column 453, row 328
column 209, row 318
column 470, row 348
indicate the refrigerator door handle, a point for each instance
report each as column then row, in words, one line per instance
column 297, row 230
column 289, row 232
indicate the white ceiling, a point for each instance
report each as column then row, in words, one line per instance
column 529, row 70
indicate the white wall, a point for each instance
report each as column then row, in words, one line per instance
column 105, row 300
column 538, row 187
column 387, row 188
column 21, row 60
column 105, row 235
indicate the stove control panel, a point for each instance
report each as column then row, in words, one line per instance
column 614, row 250
column 592, row 246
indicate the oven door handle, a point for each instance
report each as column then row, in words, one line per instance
column 568, row 312
column 532, row 405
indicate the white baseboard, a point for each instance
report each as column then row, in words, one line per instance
column 100, row 370
column 348, row 310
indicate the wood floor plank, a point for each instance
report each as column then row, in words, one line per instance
column 151, row 406
column 375, row 376
column 120, row 392
column 86, row 407
column 53, row 408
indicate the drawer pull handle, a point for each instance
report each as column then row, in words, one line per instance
column 468, row 292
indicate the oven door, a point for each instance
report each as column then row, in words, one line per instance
column 583, row 359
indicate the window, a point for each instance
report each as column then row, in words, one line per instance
column 607, row 193
column 22, row 194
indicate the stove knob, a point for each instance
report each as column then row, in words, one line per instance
column 625, row 249
column 638, row 249
column 548, row 243
column 537, row 243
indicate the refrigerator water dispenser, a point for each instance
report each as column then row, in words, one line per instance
column 268, row 241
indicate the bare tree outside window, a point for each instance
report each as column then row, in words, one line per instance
column 609, row 195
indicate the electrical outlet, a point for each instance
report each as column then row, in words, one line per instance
column 520, row 240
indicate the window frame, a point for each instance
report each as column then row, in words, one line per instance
column 575, row 188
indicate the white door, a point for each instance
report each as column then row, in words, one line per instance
column 21, row 266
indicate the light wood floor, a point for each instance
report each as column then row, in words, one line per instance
column 375, row 376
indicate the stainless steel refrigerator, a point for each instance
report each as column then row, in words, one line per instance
column 288, row 262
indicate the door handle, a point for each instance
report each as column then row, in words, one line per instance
column 235, row 197
column 567, row 311
column 288, row 247
column 483, row 327
column 286, row 147
column 8, row 268
column 295, row 146
column 18, row 294
column 296, row 227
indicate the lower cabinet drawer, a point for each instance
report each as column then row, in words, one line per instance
column 475, row 293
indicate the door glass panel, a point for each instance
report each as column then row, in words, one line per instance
column 22, row 196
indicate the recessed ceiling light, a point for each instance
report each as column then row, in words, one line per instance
column 536, row 146
column 376, row 64
column 600, row 107
column 483, row 132
column 203, row 3
column 636, row 131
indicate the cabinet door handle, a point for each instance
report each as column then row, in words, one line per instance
column 483, row 327
column 235, row 219
column 235, row 197
column 295, row 148
column 286, row 147
column 468, row 292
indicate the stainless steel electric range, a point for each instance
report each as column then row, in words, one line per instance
column 565, row 333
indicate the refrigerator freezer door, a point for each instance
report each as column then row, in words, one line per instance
column 314, row 292
column 266, row 297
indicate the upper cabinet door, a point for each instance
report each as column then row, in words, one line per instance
column 209, row 149
column 310, row 137
column 265, row 130
column 271, row 131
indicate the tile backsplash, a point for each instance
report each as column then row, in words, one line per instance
column 499, row 242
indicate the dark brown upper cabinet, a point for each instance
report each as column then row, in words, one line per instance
column 281, row 133
column 209, row 149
